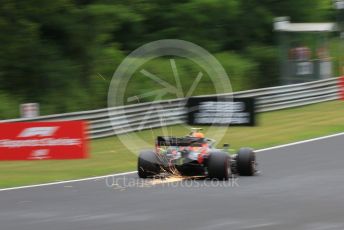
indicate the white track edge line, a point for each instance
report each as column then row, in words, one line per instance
column 132, row 172
column 300, row 142
column 67, row 181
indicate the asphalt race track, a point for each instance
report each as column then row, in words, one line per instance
column 300, row 187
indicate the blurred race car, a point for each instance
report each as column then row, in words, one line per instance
column 195, row 155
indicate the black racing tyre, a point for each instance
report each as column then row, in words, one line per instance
column 218, row 165
column 246, row 162
column 147, row 165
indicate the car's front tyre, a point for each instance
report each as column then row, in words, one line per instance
column 246, row 162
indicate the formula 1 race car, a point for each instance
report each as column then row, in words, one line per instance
column 195, row 155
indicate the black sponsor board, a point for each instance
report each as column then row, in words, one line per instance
column 221, row 111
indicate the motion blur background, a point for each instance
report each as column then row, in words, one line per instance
column 62, row 53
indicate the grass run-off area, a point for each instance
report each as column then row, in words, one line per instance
column 109, row 155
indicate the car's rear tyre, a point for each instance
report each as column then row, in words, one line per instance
column 218, row 165
column 246, row 162
column 147, row 165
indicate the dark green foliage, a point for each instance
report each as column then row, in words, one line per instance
column 266, row 58
column 63, row 53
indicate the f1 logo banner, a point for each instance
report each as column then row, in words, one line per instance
column 43, row 140
column 341, row 87
column 219, row 111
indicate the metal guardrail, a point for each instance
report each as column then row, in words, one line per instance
column 124, row 119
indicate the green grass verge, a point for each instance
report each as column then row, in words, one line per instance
column 109, row 155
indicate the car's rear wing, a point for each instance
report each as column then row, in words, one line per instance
column 178, row 141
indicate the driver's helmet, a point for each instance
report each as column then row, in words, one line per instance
column 198, row 134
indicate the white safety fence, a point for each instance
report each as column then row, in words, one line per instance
column 117, row 120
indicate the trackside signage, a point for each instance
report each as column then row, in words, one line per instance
column 341, row 87
column 221, row 111
column 43, row 140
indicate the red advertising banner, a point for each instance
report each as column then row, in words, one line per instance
column 43, row 140
column 341, row 87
